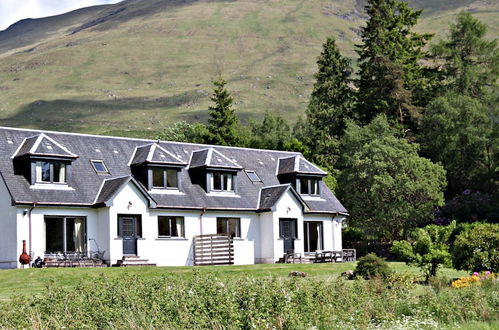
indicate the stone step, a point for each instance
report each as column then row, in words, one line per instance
column 133, row 261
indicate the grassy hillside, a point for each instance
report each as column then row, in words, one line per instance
column 137, row 66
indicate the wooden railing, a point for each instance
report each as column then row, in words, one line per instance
column 214, row 249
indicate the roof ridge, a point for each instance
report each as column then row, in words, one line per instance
column 207, row 146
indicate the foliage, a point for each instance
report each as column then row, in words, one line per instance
column 475, row 279
column 469, row 62
column 458, row 131
column 331, row 103
column 385, row 185
column 223, row 122
column 206, row 301
column 477, row 248
column 391, row 52
column 469, row 207
column 273, row 132
column 184, row 132
column 426, row 248
column 371, row 266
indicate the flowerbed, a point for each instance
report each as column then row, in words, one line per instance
column 475, row 279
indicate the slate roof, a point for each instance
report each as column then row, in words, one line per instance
column 298, row 165
column 85, row 184
column 42, row 145
column 269, row 196
column 211, row 158
column 155, row 154
column 111, row 187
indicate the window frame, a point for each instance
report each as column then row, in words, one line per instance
column 138, row 225
column 93, row 161
column 164, row 171
column 169, row 218
column 51, row 172
column 248, row 172
column 223, row 182
column 313, row 186
column 64, row 219
column 227, row 226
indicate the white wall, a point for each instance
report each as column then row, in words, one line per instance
column 267, row 240
column 287, row 207
column 259, row 241
column 38, row 233
column 8, row 230
column 175, row 251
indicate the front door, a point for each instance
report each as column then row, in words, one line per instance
column 287, row 232
column 128, row 230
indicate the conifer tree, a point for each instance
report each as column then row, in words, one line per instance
column 389, row 43
column 470, row 63
column 223, row 122
column 330, row 104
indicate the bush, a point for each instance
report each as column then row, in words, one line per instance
column 200, row 301
column 426, row 248
column 371, row 266
column 477, row 248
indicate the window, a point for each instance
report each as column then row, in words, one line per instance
column 312, row 230
column 309, row 186
column 99, row 166
column 171, row 226
column 65, row 234
column 253, row 176
column 50, row 172
column 133, row 225
column 230, row 226
column 222, row 181
column 164, row 178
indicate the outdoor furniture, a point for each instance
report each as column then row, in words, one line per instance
column 328, row 256
column 349, row 255
column 291, row 257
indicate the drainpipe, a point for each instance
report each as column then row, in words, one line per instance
column 201, row 221
column 29, row 231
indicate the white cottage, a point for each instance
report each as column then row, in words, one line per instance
column 69, row 194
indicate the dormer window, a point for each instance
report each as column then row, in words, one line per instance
column 222, row 181
column 50, row 172
column 164, row 178
column 309, row 186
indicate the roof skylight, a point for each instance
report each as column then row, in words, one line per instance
column 253, row 176
column 99, row 166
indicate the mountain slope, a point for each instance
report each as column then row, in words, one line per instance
column 142, row 64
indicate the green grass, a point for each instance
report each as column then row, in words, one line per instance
column 33, row 281
column 142, row 73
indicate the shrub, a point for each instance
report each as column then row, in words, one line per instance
column 426, row 248
column 477, row 248
column 371, row 266
column 196, row 301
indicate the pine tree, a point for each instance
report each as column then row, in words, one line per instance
column 388, row 43
column 470, row 63
column 331, row 103
column 223, row 122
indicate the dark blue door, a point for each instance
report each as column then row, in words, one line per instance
column 127, row 225
column 287, row 232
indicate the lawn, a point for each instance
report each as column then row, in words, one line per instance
column 34, row 281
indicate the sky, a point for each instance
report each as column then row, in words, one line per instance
column 12, row 11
